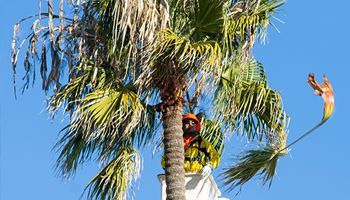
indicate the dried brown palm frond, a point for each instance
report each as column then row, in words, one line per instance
column 245, row 21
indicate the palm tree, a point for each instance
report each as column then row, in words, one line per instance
column 133, row 65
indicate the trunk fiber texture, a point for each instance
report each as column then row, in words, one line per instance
column 174, row 152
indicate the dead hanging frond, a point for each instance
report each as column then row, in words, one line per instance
column 60, row 43
column 44, row 28
column 130, row 25
column 114, row 180
column 245, row 22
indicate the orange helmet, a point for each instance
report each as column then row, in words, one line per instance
column 194, row 118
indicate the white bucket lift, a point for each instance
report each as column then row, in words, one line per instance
column 197, row 188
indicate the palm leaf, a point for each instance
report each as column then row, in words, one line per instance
column 87, row 79
column 173, row 53
column 211, row 131
column 263, row 162
column 208, row 18
column 255, row 110
column 104, row 121
column 114, row 180
column 244, row 22
column 243, row 18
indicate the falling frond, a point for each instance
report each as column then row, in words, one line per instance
column 326, row 91
column 253, row 162
column 113, row 181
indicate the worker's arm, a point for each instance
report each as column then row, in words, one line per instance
column 214, row 157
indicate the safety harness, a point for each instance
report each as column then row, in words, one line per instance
column 198, row 158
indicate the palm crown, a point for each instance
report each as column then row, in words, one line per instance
column 124, row 57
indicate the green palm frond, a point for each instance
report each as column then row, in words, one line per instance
column 247, row 103
column 256, row 111
column 114, row 180
column 107, row 105
column 211, row 131
column 260, row 117
column 173, row 52
column 87, row 79
column 261, row 162
column 104, row 121
column 253, row 162
column 208, row 19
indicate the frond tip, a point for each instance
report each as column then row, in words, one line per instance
column 326, row 91
column 114, row 180
column 262, row 161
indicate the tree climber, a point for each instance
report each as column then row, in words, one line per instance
column 200, row 155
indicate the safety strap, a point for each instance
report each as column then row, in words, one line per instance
column 199, row 139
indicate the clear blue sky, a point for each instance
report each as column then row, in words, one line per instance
column 314, row 38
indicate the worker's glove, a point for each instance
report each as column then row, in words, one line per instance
column 206, row 170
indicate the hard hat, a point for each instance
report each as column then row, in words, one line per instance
column 194, row 118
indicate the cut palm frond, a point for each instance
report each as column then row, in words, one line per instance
column 263, row 162
column 326, row 91
column 116, row 178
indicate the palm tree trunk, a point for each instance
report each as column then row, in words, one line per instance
column 174, row 153
column 173, row 142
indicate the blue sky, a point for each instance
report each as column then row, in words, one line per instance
column 314, row 38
